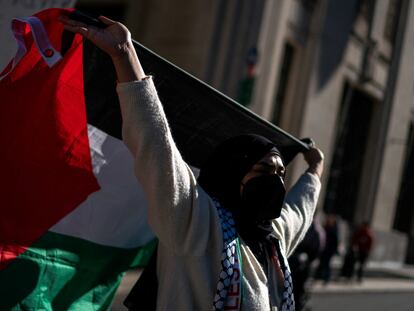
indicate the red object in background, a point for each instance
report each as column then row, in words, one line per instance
column 362, row 239
column 45, row 158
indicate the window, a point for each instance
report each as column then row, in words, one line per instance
column 391, row 22
column 284, row 75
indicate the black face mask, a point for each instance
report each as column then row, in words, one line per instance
column 262, row 198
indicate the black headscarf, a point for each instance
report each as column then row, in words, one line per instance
column 222, row 174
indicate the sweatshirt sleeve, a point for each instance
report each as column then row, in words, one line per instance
column 180, row 213
column 297, row 213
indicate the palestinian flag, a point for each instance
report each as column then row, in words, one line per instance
column 73, row 215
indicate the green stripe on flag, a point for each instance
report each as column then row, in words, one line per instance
column 65, row 273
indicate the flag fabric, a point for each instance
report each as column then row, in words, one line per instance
column 199, row 116
column 73, row 216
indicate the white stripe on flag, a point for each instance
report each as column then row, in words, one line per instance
column 116, row 215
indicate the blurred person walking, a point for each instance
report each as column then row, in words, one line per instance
column 359, row 248
column 324, row 271
column 362, row 242
column 307, row 252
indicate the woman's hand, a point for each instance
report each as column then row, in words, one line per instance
column 116, row 41
column 314, row 157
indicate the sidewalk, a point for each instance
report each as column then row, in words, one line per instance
column 379, row 278
column 379, row 285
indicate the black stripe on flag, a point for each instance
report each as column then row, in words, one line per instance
column 200, row 117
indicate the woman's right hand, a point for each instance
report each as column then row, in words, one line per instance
column 115, row 40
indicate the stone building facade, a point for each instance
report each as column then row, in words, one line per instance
column 337, row 71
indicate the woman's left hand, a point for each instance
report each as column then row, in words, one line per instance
column 314, row 157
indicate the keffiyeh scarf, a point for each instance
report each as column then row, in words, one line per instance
column 229, row 286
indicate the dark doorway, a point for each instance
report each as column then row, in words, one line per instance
column 403, row 220
column 404, row 216
column 351, row 143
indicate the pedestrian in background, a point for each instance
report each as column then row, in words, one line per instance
column 324, row 270
column 362, row 242
column 358, row 251
column 308, row 251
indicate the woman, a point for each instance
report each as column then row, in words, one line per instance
column 222, row 240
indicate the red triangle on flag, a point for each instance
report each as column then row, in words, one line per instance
column 45, row 155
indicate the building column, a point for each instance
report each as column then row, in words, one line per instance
column 395, row 125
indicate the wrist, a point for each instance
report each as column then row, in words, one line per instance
column 124, row 53
column 315, row 170
column 127, row 65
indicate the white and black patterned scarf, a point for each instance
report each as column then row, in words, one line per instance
column 231, row 264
